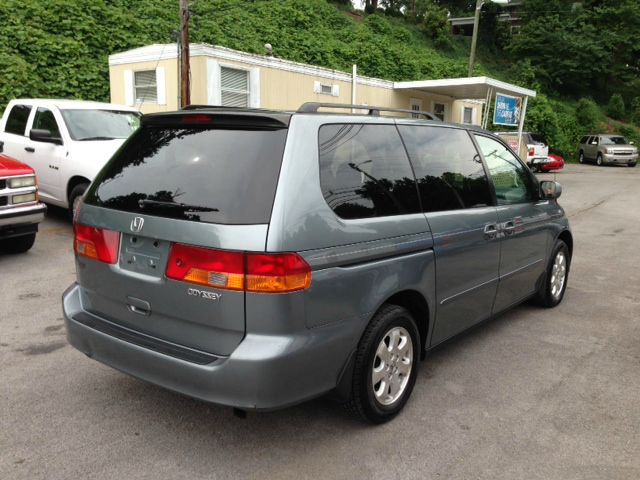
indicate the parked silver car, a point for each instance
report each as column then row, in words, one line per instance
column 607, row 149
column 258, row 259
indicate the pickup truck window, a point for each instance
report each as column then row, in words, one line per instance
column 17, row 121
column 45, row 120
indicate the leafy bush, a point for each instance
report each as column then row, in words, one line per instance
column 615, row 108
column 541, row 118
column 635, row 111
column 588, row 114
column 630, row 133
column 434, row 22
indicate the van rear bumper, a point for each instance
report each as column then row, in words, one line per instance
column 265, row 372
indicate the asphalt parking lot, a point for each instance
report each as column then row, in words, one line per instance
column 535, row 393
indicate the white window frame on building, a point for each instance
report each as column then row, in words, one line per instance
column 441, row 115
column 416, row 105
column 131, row 86
column 215, row 87
column 326, row 88
column 235, row 89
column 472, row 115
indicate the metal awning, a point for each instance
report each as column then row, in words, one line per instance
column 475, row 88
column 463, row 88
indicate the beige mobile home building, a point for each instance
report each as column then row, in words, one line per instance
column 147, row 77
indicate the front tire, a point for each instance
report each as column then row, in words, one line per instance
column 581, row 157
column 18, row 244
column 386, row 365
column 552, row 290
column 599, row 160
column 632, row 164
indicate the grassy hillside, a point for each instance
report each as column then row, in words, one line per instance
column 59, row 48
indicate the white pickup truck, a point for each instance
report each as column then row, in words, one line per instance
column 533, row 148
column 66, row 142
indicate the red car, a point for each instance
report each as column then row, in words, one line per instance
column 20, row 208
column 554, row 162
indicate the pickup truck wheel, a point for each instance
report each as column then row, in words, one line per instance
column 554, row 285
column 599, row 160
column 581, row 157
column 75, row 196
column 632, row 164
column 18, row 244
column 386, row 365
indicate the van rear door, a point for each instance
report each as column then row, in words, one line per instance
column 162, row 232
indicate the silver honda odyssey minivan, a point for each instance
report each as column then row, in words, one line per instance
column 257, row 259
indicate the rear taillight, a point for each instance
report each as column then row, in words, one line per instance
column 532, row 152
column 280, row 272
column 275, row 273
column 204, row 266
column 96, row 243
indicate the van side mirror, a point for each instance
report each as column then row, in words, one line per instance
column 550, row 190
column 631, row 142
column 42, row 135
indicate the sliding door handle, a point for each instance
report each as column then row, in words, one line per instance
column 508, row 227
column 490, row 231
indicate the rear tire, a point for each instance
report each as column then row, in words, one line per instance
column 18, row 244
column 75, row 196
column 386, row 365
column 552, row 290
column 599, row 160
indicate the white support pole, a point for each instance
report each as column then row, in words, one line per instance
column 354, row 74
column 521, row 125
column 487, row 106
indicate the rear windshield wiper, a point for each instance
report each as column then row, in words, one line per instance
column 96, row 138
column 181, row 206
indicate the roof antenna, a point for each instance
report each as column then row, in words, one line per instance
column 269, row 49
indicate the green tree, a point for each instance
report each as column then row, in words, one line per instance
column 588, row 115
column 615, row 107
column 635, row 110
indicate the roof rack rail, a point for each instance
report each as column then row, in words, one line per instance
column 312, row 107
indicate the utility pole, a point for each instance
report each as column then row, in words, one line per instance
column 474, row 38
column 185, row 90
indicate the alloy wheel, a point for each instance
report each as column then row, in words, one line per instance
column 558, row 274
column 392, row 366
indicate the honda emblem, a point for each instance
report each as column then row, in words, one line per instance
column 137, row 224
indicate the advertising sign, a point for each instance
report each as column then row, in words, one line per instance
column 507, row 110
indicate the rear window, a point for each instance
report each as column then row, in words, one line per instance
column 537, row 138
column 17, row 120
column 203, row 174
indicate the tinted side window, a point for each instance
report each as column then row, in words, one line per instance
column 44, row 119
column 448, row 168
column 365, row 172
column 583, row 139
column 510, row 178
column 17, row 121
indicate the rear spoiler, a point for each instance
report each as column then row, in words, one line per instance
column 223, row 118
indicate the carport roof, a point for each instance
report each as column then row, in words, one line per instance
column 469, row 87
